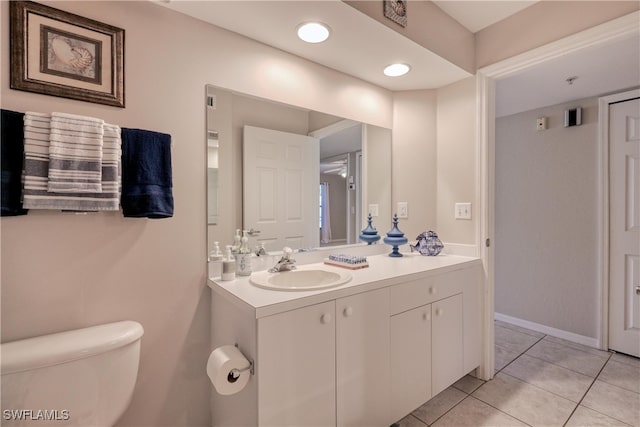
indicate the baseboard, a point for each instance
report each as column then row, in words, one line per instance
column 460, row 249
column 558, row 333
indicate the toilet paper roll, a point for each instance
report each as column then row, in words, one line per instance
column 223, row 369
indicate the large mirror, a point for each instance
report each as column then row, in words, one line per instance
column 331, row 173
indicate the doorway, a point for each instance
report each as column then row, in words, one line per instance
column 618, row 29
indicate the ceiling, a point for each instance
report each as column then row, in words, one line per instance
column 602, row 69
column 359, row 45
column 478, row 14
column 362, row 47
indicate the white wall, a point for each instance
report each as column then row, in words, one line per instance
column 414, row 161
column 62, row 271
column 456, row 161
column 546, row 219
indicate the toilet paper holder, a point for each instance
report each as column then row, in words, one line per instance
column 234, row 374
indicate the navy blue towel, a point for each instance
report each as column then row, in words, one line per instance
column 12, row 155
column 146, row 174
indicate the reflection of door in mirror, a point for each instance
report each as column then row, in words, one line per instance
column 280, row 187
column 212, row 177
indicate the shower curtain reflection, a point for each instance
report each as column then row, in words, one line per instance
column 325, row 213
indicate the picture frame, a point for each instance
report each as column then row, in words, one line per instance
column 396, row 10
column 58, row 53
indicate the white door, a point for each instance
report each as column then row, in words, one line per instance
column 281, row 187
column 624, row 227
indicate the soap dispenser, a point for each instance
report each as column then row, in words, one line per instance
column 237, row 241
column 215, row 261
column 228, row 266
column 243, row 258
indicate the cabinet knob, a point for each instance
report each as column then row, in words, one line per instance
column 326, row 318
column 439, row 312
column 348, row 311
column 426, row 316
column 432, row 290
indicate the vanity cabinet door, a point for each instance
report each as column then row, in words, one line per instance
column 410, row 360
column 446, row 342
column 362, row 359
column 296, row 367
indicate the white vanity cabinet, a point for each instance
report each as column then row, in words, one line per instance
column 410, row 360
column 434, row 324
column 367, row 353
column 296, row 367
column 446, row 343
column 362, row 359
column 326, row 364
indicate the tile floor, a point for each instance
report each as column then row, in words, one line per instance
column 540, row 381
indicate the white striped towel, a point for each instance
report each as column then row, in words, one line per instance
column 75, row 154
column 36, row 159
column 36, row 194
column 111, row 168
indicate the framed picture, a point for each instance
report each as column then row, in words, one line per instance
column 396, row 10
column 61, row 54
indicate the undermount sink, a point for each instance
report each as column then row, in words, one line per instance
column 300, row 279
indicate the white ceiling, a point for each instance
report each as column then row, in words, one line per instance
column 478, row 14
column 362, row 47
column 359, row 45
column 601, row 69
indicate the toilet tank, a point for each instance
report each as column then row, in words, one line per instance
column 83, row 377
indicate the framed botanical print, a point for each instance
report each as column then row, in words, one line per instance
column 61, row 54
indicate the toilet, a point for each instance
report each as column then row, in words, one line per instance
column 83, row 377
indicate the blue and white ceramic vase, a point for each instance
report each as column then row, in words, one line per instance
column 395, row 238
column 369, row 234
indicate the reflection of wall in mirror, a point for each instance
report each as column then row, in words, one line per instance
column 212, row 179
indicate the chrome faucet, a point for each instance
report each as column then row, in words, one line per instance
column 286, row 263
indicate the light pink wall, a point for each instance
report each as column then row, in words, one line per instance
column 65, row 271
column 456, row 160
column 413, row 157
column 542, row 23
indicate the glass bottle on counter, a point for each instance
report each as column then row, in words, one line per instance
column 243, row 258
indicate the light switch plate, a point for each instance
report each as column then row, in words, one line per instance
column 463, row 211
column 374, row 210
column 403, row 210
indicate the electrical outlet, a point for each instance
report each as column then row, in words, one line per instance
column 403, row 210
column 463, row 211
column 374, row 210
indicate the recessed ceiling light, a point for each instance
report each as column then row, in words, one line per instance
column 395, row 70
column 313, row 32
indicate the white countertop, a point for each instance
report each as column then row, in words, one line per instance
column 382, row 271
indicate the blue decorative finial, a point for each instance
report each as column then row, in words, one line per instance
column 395, row 238
column 369, row 234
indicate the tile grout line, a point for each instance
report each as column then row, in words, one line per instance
column 518, row 356
column 498, row 409
column 619, row 363
column 587, row 392
column 533, row 385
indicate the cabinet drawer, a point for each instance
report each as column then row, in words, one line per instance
column 419, row 292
